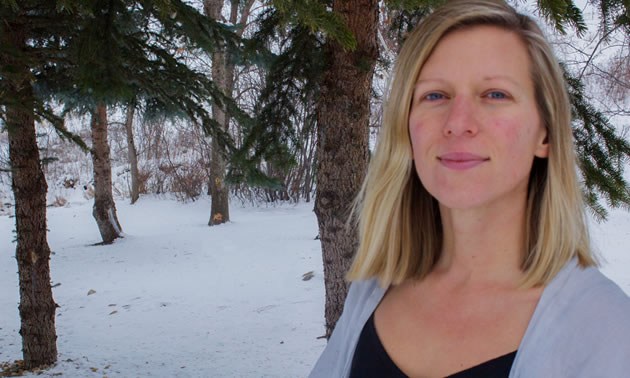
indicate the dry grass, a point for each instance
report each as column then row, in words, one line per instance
column 59, row 202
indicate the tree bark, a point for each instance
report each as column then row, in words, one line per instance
column 104, row 210
column 132, row 154
column 37, row 306
column 343, row 113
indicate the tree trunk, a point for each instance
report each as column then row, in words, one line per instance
column 223, row 77
column 132, row 155
column 104, row 208
column 37, row 306
column 220, row 207
column 343, row 113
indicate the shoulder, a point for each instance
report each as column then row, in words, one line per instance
column 598, row 312
column 581, row 327
column 362, row 299
column 360, row 293
column 588, row 296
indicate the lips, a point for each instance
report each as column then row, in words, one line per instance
column 461, row 161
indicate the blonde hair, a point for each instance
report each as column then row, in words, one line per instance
column 399, row 224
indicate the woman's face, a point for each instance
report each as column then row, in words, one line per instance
column 474, row 124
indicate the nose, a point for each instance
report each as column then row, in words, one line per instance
column 461, row 119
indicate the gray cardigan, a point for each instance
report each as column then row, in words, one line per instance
column 580, row 328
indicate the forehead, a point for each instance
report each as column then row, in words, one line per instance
column 480, row 49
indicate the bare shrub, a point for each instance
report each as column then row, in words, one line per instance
column 143, row 177
column 188, row 182
column 617, row 72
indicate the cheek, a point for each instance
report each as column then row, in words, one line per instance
column 515, row 135
column 415, row 134
column 517, row 139
column 421, row 133
column 510, row 134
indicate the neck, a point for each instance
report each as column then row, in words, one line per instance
column 483, row 246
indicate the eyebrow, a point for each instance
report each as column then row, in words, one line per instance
column 484, row 78
column 425, row 81
column 501, row 77
column 429, row 80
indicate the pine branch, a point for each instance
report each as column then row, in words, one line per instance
column 563, row 12
column 45, row 113
column 315, row 16
column 615, row 12
column 292, row 81
column 601, row 152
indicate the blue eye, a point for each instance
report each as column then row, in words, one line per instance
column 434, row 96
column 496, row 95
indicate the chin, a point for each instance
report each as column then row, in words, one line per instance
column 461, row 201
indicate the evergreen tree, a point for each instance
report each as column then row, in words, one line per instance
column 343, row 116
column 331, row 60
column 291, row 83
column 29, row 35
column 89, row 55
column 120, row 50
column 342, row 47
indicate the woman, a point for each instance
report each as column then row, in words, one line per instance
column 474, row 255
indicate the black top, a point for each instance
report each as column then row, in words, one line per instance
column 372, row 361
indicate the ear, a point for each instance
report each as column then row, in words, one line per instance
column 542, row 146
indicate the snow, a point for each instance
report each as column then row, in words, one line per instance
column 176, row 297
column 610, row 240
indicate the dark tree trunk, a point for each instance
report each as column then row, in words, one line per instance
column 104, row 208
column 343, row 113
column 132, row 155
column 37, row 307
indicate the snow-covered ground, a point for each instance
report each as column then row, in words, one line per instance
column 176, row 298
